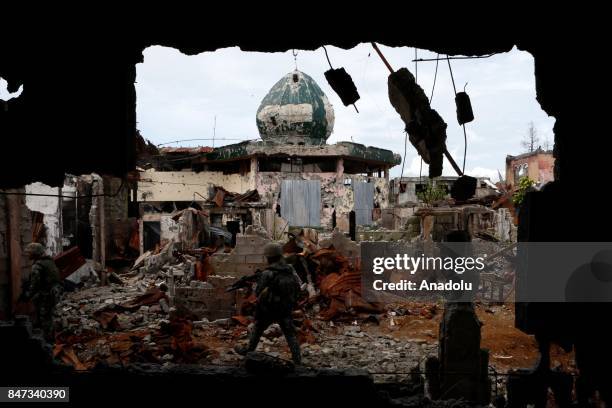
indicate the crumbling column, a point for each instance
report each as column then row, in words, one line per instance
column 96, row 216
column 253, row 172
column 427, row 225
column 340, row 171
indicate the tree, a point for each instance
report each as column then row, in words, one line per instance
column 531, row 140
column 525, row 184
column 431, row 193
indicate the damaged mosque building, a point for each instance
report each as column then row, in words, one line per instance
column 291, row 177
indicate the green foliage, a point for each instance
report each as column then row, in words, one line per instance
column 524, row 185
column 431, row 193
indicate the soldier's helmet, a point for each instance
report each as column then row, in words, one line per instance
column 273, row 250
column 35, row 250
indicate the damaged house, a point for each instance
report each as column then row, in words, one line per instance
column 405, row 191
column 537, row 165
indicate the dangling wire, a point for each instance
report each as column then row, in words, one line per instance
column 416, row 79
column 464, row 147
column 430, row 99
column 434, row 81
column 404, row 158
column 421, row 172
column 451, row 74
column 330, row 66
column 327, row 56
column 295, row 58
column 464, row 131
column 416, row 67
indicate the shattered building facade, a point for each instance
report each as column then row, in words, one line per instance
column 291, row 178
column 405, row 190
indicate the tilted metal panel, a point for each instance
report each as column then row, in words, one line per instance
column 364, row 202
column 300, row 202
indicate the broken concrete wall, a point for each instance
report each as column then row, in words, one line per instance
column 96, row 220
column 188, row 185
column 207, row 300
column 395, row 218
column 24, row 228
column 51, row 208
column 108, row 213
column 538, row 166
column 478, row 219
column 337, row 195
column 116, row 200
column 68, row 205
column 169, row 229
column 245, row 258
column 404, row 190
column 275, row 225
column 505, row 230
column 437, row 222
column 341, row 243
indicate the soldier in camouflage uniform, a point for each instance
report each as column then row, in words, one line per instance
column 43, row 288
column 278, row 288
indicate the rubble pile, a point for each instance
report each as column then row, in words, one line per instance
column 224, row 197
column 122, row 324
column 174, row 307
column 160, row 312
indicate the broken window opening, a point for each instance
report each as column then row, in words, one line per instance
column 242, row 167
column 296, row 165
column 420, row 187
column 151, row 235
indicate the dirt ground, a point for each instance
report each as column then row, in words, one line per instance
column 388, row 346
column 509, row 348
column 416, row 332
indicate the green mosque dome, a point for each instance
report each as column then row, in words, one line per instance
column 295, row 111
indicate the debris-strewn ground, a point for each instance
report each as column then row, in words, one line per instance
column 123, row 324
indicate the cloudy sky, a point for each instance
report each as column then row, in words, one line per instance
column 179, row 97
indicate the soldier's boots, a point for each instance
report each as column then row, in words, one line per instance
column 296, row 354
column 290, row 335
column 241, row 349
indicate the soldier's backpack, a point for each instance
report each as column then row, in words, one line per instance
column 283, row 291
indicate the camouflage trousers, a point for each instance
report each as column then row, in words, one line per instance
column 44, row 317
column 286, row 325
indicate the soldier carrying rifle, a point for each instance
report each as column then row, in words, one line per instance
column 277, row 291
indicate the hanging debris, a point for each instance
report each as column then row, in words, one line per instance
column 464, row 108
column 464, row 188
column 342, row 83
column 425, row 127
column 223, row 197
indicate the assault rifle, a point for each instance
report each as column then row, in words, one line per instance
column 244, row 282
